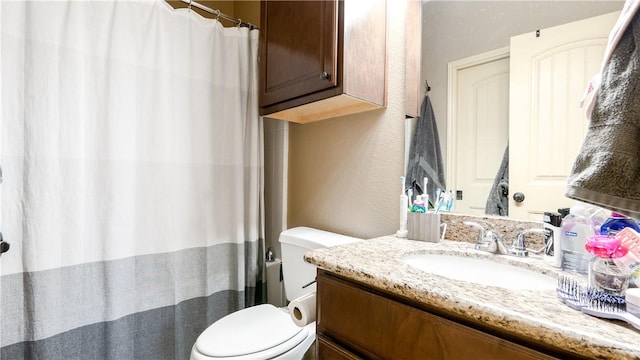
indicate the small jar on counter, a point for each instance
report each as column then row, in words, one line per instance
column 604, row 274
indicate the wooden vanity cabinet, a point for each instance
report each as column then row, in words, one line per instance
column 322, row 59
column 354, row 322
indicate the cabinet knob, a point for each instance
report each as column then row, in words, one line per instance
column 324, row 75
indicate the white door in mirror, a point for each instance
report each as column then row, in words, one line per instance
column 478, row 126
column 548, row 77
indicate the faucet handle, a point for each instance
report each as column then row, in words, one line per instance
column 481, row 230
column 475, row 225
column 519, row 246
column 487, row 240
column 497, row 239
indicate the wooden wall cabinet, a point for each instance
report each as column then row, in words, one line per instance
column 356, row 322
column 322, row 59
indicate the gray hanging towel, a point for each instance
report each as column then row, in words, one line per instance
column 606, row 172
column 498, row 199
column 425, row 158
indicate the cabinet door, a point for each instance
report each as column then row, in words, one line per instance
column 298, row 54
column 377, row 327
column 327, row 350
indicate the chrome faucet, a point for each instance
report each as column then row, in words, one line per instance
column 519, row 247
column 487, row 240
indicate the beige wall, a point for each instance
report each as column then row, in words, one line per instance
column 247, row 10
column 344, row 173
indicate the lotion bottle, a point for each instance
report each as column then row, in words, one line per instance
column 617, row 222
column 552, row 238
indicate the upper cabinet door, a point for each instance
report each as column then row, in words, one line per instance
column 299, row 49
column 322, row 59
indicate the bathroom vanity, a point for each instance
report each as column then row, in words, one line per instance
column 376, row 324
column 372, row 304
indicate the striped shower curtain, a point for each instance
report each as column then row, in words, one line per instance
column 131, row 154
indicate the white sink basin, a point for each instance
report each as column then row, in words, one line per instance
column 479, row 271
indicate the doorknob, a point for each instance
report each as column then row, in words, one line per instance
column 4, row 246
column 518, row 197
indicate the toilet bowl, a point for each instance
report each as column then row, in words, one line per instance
column 258, row 332
column 265, row 331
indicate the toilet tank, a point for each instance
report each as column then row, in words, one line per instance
column 294, row 243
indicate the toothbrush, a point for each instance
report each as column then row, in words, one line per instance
column 425, row 193
column 447, row 200
column 440, row 200
column 451, row 200
column 410, row 198
column 404, row 203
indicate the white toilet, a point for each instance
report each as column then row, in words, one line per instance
column 265, row 331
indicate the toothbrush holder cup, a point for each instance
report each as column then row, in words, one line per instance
column 424, row 227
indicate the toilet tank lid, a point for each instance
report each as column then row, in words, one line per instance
column 310, row 238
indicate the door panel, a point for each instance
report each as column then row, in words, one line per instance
column 549, row 73
column 481, row 130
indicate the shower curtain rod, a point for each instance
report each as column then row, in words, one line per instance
column 220, row 14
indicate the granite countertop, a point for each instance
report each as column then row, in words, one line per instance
column 537, row 315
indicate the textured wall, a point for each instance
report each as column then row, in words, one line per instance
column 344, row 173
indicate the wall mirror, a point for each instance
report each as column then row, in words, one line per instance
column 468, row 59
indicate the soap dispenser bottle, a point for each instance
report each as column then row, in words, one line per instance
column 576, row 228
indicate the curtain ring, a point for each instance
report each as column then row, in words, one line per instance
column 190, row 1
column 217, row 15
column 239, row 22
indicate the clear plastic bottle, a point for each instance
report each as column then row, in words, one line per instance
column 617, row 222
column 576, row 228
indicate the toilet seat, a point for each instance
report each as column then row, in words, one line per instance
column 258, row 332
